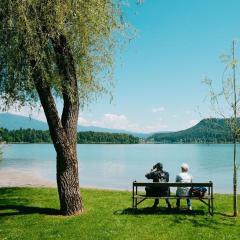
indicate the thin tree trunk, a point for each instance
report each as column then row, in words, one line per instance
column 235, row 208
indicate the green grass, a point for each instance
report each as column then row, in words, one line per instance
column 32, row 213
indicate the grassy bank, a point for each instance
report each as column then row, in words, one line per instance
column 32, row 213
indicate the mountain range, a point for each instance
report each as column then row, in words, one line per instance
column 14, row 122
column 213, row 130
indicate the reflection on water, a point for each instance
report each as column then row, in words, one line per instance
column 116, row 166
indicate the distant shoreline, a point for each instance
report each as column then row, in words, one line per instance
column 16, row 178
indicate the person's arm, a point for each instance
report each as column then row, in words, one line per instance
column 177, row 178
column 167, row 176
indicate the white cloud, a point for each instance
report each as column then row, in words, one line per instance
column 108, row 120
column 116, row 121
column 121, row 122
column 83, row 121
column 114, row 117
column 158, row 109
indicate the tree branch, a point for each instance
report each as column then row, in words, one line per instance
column 65, row 63
column 56, row 129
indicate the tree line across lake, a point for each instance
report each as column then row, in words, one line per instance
column 206, row 131
column 39, row 136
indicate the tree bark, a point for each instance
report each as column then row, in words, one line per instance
column 68, row 179
column 63, row 131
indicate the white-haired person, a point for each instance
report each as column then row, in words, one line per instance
column 184, row 177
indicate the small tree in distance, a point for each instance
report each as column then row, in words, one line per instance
column 226, row 104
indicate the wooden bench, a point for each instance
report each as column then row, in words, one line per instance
column 207, row 199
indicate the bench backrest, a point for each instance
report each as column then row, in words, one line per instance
column 173, row 184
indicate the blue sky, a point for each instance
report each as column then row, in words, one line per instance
column 158, row 79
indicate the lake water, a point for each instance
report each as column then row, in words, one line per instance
column 116, row 166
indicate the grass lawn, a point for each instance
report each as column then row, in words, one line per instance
column 32, row 213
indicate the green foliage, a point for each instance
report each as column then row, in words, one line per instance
column 32, row 213
column 25, row 136
column 100, row 137
column 30, row 28
column 39, row 136
column 206, row 131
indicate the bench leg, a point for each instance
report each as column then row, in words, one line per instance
column 209, row 202
column 133, row 197
column 212, row 201
column 136, row 199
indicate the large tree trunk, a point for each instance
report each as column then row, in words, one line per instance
column 67, row 165
column 63, row 131
column 68, row 183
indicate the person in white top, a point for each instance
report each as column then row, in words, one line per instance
column 184, row 177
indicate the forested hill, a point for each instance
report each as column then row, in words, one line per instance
column 39, row 136
column 206, row 131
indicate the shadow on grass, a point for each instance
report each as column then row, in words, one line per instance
column 25, row 210
column 195, row 218
column 158, row 211
column 10, row 205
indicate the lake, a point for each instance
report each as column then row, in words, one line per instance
column 116, row 166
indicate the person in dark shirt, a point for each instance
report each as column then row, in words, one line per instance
column 158, row 175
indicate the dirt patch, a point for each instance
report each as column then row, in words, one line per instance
column 16, row 178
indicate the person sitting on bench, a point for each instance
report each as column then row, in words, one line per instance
column 184, row 177
column 158, row 175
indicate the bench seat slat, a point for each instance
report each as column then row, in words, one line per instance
column 173, row 197
column 174, row 184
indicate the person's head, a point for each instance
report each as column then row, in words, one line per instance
column 184, row 167
column 158, row 166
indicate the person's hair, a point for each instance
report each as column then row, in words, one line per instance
column 158, row 166
column 184, row 167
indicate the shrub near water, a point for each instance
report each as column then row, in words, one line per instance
column 32, row 213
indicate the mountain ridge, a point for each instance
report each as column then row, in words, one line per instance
column 13, row 122
column 211, row 130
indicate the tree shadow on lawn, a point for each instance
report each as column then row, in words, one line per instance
column 213, row 223
column 157, row 211
column 194, row 218
column 10, row 205
column 25, row 210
